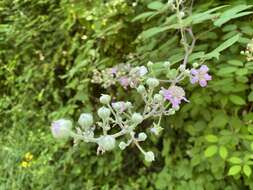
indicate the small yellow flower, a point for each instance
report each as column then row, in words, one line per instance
column 25, row 164
column 28, row 156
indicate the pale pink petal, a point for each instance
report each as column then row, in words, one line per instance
column 202, row 83
column 194, row 80
column 194, row 72
column 208, row 77
column 203, row 69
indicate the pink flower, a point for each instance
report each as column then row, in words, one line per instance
column 200, row 76
column 175, row 94
column 124, row 81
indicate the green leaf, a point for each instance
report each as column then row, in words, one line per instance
column 247, row 170
column 234, row 170
column 228, row 43
column 235, row 62
column 226, row 70
column 251, row 146
column 231, row 14
column 143, row 16
column 223, row 152
column 153, row 31
column 250, row 96
column 211, row 138
column 202, row 17
column 235, row 160
column 237, row 100
column 156, row 5
column 216, row 52
column 210, row 151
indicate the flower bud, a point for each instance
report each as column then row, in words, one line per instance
column 149, row 156
column 152, row 82
column 156, row 129
column 105, row 99
column 107, row 142
column 195, row 65
column 187, row 72
column 141, row 89
column 128, row 105
column 85, row 120
column 149, row 64
column 158, row 98
column 104, row 113
column 142, row 136
column 171, row 111
column 61, row 128
column 166, row 64
column 137, row 118
column 122, row 145
column 181, row 14
column 142, row 71
column 182, row 68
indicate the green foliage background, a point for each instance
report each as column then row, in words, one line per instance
column 46, row 64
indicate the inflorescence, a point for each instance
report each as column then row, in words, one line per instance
column 122, row 116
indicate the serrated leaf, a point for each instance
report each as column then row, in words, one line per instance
column 237, row 100
column 156, row 5
column 210, row 151
column 223, row 152
column 231, row 14
column 211, row 138
column 234, row 170
column 216, row 52
column 235, row 160
column 247, row 170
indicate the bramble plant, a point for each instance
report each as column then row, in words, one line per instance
column 58, row 57
column 158, row 100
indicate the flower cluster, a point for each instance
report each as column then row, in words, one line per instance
column 123, row 74
column 122, row 116
column 249, row 51
column 27, row 160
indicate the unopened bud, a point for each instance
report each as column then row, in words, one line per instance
column 142, row 136
column 141, row 89
column 104, row 113
column 149, row 156
column 137, row 118
column 152, row 82
column 85, row 120
column 61, row 128
column 107, row 142
column 105, row 99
